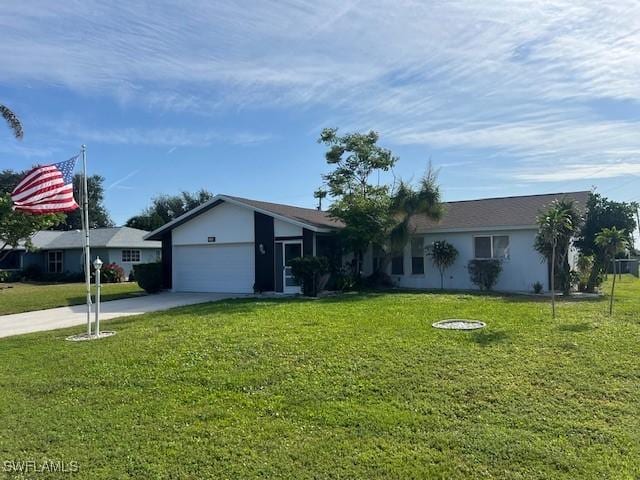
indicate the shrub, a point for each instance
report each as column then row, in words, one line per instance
column 344, row 280
column 132, row 276
column 7, row 277
column 149, row 276
column 485, row 273
column 32, row 272
column 378, row 279
column 537, row 288
column 308, row 272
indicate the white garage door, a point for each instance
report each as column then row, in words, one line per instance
column 213, row 268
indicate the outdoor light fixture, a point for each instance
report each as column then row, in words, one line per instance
column 97, row 264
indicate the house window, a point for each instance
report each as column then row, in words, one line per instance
column 397, row 264
column 131, row 256
column 417, row 255
column 54, row 261
column 491, row 246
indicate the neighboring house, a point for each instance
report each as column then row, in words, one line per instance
column 62, row 252
column 232, row 244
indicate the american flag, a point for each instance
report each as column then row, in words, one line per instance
column 46, row 189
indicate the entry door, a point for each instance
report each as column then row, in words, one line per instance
column 291, row 250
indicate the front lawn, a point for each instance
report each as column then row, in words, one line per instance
column 358, row 386
column 26, row 297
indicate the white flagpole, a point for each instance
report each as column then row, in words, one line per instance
column 85, row 227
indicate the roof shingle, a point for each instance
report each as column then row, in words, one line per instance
column 494, row 212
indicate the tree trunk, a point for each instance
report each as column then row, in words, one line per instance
column 553, row 280
column 613, row 286
column 441, row 280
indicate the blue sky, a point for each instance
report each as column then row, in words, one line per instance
column 506, row 98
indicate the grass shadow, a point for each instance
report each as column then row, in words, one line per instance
column 486, row 339
column 576, row 327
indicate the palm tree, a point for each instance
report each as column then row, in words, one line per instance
column 406, row 202
column 612, row 241
column 13, row 121
column 553, row 224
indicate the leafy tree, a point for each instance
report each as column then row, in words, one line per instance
column 612, row 241
column 568, row 210
column 165, row 208
column 373, row 214
column 602, row 213
column 17, row 227
column 13, row 121
column 443, row 255
column 363, row 207
column 555, row 228
column 98, row 214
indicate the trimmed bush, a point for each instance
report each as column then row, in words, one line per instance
column 485, row 273
column 149, row 276
column 308, row 272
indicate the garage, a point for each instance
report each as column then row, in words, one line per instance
column 214, row 268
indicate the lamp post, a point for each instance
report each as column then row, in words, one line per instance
column 97, row 264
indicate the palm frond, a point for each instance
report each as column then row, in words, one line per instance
column 13, row 121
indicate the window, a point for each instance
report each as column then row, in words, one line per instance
column 492, row 246
column 130, row 255
column 417, row 255
column 397, row 264
column 54, row 261
column 500, row 246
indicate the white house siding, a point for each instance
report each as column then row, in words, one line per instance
column 524, row 267
column 285, row 229
column 228, row 223
column 226, row 265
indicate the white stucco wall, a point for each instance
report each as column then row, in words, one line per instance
column 227, row 222
column 524, row 267
column 285, row 229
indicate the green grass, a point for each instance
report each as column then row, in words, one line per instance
column 26, row 297
column 359, row 386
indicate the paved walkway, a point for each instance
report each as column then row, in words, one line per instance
column 41, row 320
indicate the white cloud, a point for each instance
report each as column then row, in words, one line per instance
column 513, row 79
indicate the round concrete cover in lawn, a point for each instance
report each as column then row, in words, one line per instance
column 459, row 324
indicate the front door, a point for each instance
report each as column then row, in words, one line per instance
column 290, row 251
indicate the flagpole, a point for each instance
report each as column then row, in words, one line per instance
column 85, row 227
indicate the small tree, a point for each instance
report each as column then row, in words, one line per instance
column 443, row 255
column 567, row 209
column 612, row 241
column 555, row 224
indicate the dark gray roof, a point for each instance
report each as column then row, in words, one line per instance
column 494, row 212
column 116, row 237
column 310, row 216
column 463, row 215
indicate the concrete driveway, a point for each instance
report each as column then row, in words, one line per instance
column 41, row 320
